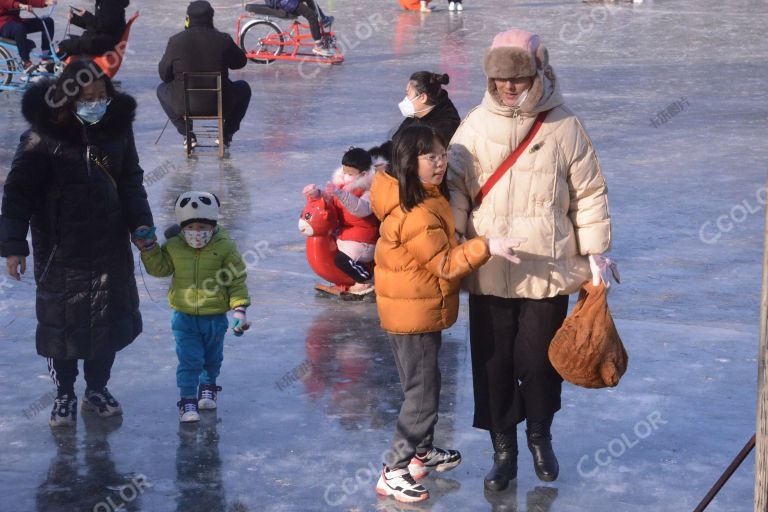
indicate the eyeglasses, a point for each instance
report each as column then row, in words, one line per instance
column 434, row 159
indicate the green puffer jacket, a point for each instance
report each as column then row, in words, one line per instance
column 207, row 281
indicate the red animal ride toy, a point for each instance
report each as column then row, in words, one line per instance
column 318, row 222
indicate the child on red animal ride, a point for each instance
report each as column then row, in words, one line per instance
column 309, row 10
column 349, row 191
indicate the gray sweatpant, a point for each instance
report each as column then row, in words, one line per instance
column 416, row 359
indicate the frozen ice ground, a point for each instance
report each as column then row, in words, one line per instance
column 687, row 311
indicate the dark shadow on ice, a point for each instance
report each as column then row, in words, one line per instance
column 540, row 499
column 198, row 467
column 97, row 485
column 503, row 501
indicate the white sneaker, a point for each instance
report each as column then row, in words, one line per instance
column 435, row 459
column 361, row 288
column 459, row 6
column 425, row 7
column 451, row 6
column 206, row 396
column 188, row 410
column 399, row 484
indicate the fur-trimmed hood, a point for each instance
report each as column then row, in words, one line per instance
column 362, row 183
column 38, row 111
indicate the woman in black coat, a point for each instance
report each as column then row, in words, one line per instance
column 76, row 181
column 103, row 29
column 426, row 102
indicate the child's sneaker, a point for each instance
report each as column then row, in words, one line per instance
column 435, row 459
column 361, row 288
column 451, row 6
column 206, row 396
column 399, row 484
column 425, row 6
column 188, row 410
column 101, row 402
column 64, row 413
column 459, row 6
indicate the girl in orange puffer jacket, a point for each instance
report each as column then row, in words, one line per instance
column 419, row 264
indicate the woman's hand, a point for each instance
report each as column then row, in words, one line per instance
column 505, row 248
column 600, row 267
column 49, row 3
column 13, row 263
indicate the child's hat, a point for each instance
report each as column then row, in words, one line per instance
column 197, row 206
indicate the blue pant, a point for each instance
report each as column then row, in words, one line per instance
column 200, row 349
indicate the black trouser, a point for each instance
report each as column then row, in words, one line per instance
column 18, row 31
column 513, row 378
column 236, row 98
column 354, row 269
column 306, row 8
column 416, row 360
column 64, row 372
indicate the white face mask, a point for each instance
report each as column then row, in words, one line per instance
column 197, row 239
column 408, row 110
column 521, row 98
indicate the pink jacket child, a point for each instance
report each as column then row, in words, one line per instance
column 349, row 191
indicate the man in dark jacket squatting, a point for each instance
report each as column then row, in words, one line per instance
column 202, row 48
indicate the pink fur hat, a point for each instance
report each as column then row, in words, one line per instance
column 515, row 53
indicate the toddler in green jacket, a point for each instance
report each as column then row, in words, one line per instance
column 208, row 280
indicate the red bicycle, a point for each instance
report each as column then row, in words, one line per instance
column 263, row 41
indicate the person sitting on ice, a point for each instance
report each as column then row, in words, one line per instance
column 202, row 48
column 309, row 10
column 349, row 191
column 103, row 29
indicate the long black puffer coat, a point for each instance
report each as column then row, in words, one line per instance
column 80, row 189
column 103, row 29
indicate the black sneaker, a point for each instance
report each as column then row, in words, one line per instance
column 191, row 142
column 435, row 459
column 64, row 413
column 188, row 410
column 399, row 484
column 101, row 402
column 206, row 396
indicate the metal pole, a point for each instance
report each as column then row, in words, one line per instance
column 730, row 470
column 761, row 453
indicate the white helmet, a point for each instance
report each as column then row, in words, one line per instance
column 197, row 207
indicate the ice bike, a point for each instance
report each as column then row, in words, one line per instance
column 13, row 77
column 262, row 39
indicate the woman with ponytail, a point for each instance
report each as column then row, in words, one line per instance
column 427, row 103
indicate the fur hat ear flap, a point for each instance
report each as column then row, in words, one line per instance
column 542, row 57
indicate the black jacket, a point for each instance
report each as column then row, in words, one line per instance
column 103, row 28
column 444, row 118
column 80, row 190
column 199, row 48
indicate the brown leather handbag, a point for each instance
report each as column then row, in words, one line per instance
column 587, row 350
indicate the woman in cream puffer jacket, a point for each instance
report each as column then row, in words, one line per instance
column 555, row 197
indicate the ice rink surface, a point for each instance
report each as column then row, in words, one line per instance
column 686, row 194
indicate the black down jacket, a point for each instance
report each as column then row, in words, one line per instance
column 103, row 29
column 200, row 48
column 444, row 118
column 80, row 190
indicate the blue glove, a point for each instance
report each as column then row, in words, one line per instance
column 240, row 322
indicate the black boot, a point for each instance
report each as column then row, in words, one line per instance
column 540, row 443
column 504, row 461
